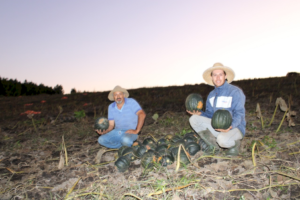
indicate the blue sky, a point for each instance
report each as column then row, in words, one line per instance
column 95, row 45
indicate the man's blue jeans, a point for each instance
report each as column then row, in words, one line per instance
column 117, row 138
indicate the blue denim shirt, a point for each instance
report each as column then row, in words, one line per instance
column 231, row 98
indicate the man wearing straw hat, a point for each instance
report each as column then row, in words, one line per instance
column 224, row 96
column 126, row 119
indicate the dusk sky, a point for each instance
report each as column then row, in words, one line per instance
column 96, row 45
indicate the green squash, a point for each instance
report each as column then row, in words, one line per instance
column 189, row 139
column 192, row 134
column 161, row 149
column 162, row 141
column 194, row 102
column 175, row 138
column 129, row 153
column 122, row 164
column 101, row 124
column 184, row 158
column 150, row 142
column 136, row 145
column 192, row 148
column 120, row 150
column 221, row 119
column 166, row 159
column 148, row 159
column 141, row 150
column 176, row 144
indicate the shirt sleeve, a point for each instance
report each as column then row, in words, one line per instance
column 238, row 108
column 110, row 113
column 209, row 111
column 135, row 106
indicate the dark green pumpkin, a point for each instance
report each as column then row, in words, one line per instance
column 129, row 153
column 136, row 145
column 221, row 119
column 162, row 141
column 121, row 149
column 101, row 124
column 167, row 159
column 148, row 159
column 192, row 148
column 161, row 149
column 150, row 142
column 141, row 150
column 175, row 138
column 122, row 164
column 194, row 102
column 176, row 144
column 184, row 158
column 192, row 134
column 188, row 139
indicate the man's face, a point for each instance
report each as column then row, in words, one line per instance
column 119, row 97
column 218, row 77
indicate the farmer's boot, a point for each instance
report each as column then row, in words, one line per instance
column 208, row 142
column 234, row 151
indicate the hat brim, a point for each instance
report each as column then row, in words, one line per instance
column 207, row 74
column 111, row 94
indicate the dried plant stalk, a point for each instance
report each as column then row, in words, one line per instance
column 170, row 189
column 61, row 161
column 259, row 115
column 130, row 194
column 281, row 121
column 60, row 111
column 273, row 115
column 253, row 154
column 72, row 188
column 178, row 158
column 65, row 150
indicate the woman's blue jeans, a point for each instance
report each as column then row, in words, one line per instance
column 117, row 138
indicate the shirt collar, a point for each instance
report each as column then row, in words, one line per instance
column 222, row 86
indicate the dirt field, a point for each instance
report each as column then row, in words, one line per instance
column 31, row 148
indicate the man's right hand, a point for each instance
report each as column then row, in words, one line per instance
column 194, row 112
column 101, row 132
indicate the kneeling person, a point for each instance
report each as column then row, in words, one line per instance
column 126, row 119
column 224, row 96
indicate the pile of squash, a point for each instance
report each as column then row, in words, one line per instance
column 163, row 152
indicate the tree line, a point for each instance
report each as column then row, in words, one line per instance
column 10, row 87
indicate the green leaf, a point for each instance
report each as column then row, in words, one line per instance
column 79, row 114
column 155, row 117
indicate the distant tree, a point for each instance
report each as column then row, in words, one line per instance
column 2, row 89
column 73, row 91
column 58, row 89
column 16, row 88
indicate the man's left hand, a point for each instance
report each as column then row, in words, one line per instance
column 131, row 131
column 224, row 130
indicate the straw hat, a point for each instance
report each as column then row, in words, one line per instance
column 207, row 73
column 117, row 89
